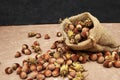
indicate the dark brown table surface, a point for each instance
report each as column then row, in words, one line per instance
column 12, row 38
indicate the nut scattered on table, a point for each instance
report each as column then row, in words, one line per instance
column 18, row 54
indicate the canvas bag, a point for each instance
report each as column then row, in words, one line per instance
column 98, row 38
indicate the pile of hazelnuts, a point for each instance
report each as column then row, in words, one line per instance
column 78, row 31
column 56, row 62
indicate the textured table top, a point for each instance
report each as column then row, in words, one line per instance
column 12, row 38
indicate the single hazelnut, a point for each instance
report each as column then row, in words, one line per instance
column 51, row 66
column 18, row 54
column 93, row 57
column 82, row 59
column 56, row 55
column 53, row 46
column 56, row 72
column 35, row 43
column 60, row 60
column 39, row 67
column 69, row 62
column 84, row 32
column 40, row 76
column 27, row 51
column 100, row 59
column 78, row 37
column 45, row 65
column 76, row 31
column 107, row 64
column 99, row 54
column 47, row 56
column 25, row 62
column 71, row 27
column 19, row 70
column 31, row 34
column 72, row 73
column 74, row 57
column 15, row 66
column 8, row 70
column 48, row 73
column 47, row 36
column 70, row 77
column 59, row 34
column 25, row 69
column 24, row 46
column 38, row 35
column 79, row 27
column 23, row 75
column 116, row 64
column 52, row 60
column 88, row 22
column 33, row 67
column 107, row 53
column 33, row 74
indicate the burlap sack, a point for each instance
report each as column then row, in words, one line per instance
column 98, row 38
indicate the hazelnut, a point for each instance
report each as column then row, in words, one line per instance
column 27, row 51
column 47, row 56
column 35, row 43
column 59, row 34
column 76, row 31
column 39, row 67
column 51, row 66
column 47, row 36
column 107, row 64
column 15, row 66
column 72, row 73
column 48, row 73
column 99, row 54
column 116, row 64
column 78, row 37
column 84, row 32
column 107, row 53
column 69, row 62
column 38, row 35
column 60, row 60
column 71, row 27
column 93, row 57
column 56, row 72
column 29, row 79
column 45, row 65
column 18, row 54
column 70, row 77
column 88, row 22
column 25, row 69
column 31, row 34
column 33, row 67
column 74, row 57
column 33, row 74
column 19, row 70
column 79, row 27
column 24, row 46
column 23, row 75
column 82, row 59
column 25, row 62
column 100, row 59
column 52, row 60
column 53, row 46
column 56, row 55
column 40, row 76
column 8, row 70
column 60, row 50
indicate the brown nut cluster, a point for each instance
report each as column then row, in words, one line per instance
column 79, row 31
